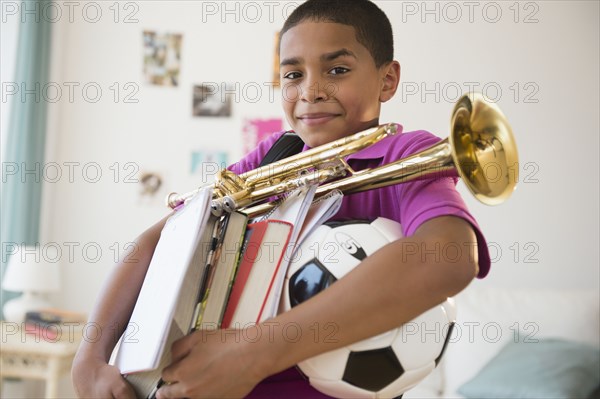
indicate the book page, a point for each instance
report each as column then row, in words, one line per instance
column 293, row 210
column 321, row 210
column 225, row 268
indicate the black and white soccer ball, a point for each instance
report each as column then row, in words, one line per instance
column 388, row 364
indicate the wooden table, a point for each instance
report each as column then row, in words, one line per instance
column 25, row 355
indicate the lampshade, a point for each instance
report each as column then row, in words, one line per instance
column 32, row 270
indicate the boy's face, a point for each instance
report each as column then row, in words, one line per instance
column 330, row 85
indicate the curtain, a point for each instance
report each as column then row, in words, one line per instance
column 26, row 136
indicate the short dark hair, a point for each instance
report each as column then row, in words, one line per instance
column 372, row 26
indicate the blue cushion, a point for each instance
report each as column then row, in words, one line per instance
column 549, row 368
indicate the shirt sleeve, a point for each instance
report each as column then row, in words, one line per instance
column 426, row 199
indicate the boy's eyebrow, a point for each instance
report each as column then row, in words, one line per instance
column 335, row 54
column 290, row 61
column 325, row 57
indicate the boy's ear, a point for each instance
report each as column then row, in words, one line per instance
column 391, row 79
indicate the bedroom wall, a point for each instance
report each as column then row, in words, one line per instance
column 537, row 60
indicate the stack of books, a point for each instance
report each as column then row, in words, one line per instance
column 54, row 325
column 263, row 253
column 211, row 272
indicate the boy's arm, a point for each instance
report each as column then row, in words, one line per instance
column 388, row 289
column 92, row 376
column 391, row 287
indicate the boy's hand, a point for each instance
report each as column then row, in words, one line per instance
column 213, row 364
column 97, row 379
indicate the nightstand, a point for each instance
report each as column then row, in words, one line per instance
column 31, row 356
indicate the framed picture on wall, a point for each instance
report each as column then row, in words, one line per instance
column 207, row 162
column 162, row 58
column 256, row 130
column 208, row 100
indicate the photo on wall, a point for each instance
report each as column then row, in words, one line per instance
column 162, row 58
column 208, row 100
column 152, row 187
column 256, row 130
column 207, row 163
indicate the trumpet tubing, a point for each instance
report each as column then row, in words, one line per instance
column 229, row 184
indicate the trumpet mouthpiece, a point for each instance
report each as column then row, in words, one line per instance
column 172, row 201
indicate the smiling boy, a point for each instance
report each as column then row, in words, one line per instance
column 337, row 69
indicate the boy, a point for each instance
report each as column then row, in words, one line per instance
column 337, row 68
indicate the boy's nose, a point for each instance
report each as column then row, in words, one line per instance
column 314, row 91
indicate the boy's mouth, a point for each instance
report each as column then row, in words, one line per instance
column 317, row 118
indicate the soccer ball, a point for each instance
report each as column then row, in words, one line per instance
column 388, row 364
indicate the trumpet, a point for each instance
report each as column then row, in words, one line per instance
column 480, row 149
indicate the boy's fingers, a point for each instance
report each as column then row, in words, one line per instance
column 182, row 347
column 124, row 390
column 169, row 374
column 169, row 391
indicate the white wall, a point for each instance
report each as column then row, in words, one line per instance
column 552, row 219
column 553, row 215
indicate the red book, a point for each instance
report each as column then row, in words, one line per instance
column 265, row 247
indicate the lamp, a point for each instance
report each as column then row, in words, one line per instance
column 33, row 274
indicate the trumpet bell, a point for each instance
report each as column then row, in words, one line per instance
column 484, row 151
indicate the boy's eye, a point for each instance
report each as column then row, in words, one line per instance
column 338, row 70
column 292, row 75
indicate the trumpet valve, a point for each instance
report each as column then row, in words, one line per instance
column 229, row 204
column 216, row 207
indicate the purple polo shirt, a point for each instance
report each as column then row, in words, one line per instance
column 410, row 204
